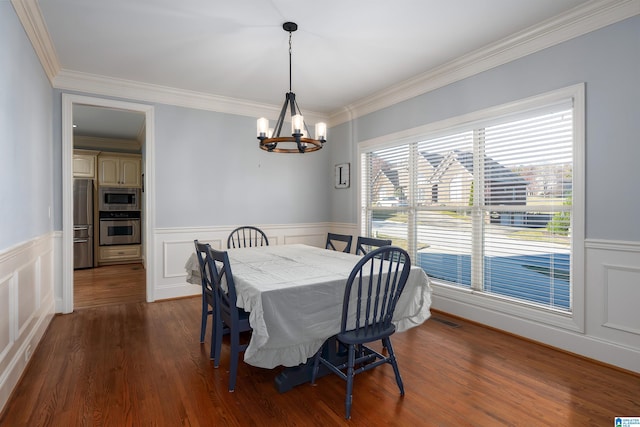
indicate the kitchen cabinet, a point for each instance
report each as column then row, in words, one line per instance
column 121, row 170
column 119, row 254
column 84, row 164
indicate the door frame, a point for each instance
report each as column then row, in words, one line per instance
column 148, row 156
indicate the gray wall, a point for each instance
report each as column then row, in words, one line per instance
column 25, row 136
column 210, row 171
column 608, row 60
column 343, row 201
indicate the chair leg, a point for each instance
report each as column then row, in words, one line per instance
column 216, row 339
column 394, row 363
column 214, row 343
column 316, row 364
column 205, row 314
column 350, row 365
column 233, row 369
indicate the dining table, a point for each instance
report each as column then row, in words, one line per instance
column 294, row 295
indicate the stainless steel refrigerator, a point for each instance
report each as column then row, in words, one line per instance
column 82, row 223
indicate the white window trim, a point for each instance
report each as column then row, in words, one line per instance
column 574, row 321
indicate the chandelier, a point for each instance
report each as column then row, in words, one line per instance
column 300, row 140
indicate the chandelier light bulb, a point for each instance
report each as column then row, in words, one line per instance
column 321, row 131
column 263, row 127
column 297, row 124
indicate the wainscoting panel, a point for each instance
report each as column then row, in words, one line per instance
column 27, row 306
column 27, row 295
column 6, row 315
column 622, row 296
column 613, row 292
column 174, row 247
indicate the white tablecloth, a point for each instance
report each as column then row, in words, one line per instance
column 294, row 294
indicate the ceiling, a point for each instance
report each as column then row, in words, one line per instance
column 102, row 122
column 343, row 51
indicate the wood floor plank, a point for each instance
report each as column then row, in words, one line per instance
column 133, row 364
column 111, row 284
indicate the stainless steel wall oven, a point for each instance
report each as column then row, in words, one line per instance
column 120, row 228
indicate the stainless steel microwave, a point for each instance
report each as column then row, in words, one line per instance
column 118, row 199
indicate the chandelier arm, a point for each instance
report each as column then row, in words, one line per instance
column 292, row 103
column 283, row 112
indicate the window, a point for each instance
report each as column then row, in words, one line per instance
column 485, row 204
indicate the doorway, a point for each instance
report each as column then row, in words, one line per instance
column 70, row 107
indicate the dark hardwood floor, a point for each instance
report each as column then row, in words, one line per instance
column 138, row 364
column 106, row 285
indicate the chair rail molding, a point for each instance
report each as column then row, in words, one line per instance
column 174, row 247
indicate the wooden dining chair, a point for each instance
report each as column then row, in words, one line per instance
column 366, row 244
column 208, row 298
column 226, row 312
column 333, row 239
column 376, row 283
column 247, row 236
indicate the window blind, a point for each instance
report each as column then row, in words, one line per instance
column 527, row 209
column 486, row 207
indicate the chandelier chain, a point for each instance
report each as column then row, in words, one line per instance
column 290, row 50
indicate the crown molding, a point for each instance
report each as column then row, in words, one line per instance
column 129, row 89
column 31, row 19
column 575, row 22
